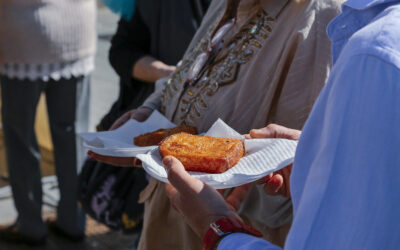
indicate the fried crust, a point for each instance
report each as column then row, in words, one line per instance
column 154, row 138
column 203, row 153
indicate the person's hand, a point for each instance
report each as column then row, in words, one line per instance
column 236, row 197
column 199, row 203
column 274, row 131
column 140, row 115
column 277, row 183
column 116, row 161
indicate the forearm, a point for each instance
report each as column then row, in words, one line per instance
column 149, row 69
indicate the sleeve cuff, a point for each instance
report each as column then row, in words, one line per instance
column 244, row 241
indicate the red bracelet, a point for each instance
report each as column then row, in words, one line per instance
column 223, row 227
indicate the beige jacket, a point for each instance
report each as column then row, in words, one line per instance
column 273, row 64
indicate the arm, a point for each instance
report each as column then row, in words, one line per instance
column 149, row 69
column 346, row 172
column 129, row 52
column 188, row 194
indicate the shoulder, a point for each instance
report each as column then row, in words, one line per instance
column 215, row 8
column 331, row 7
column 380, row 38
column 323, row 10
column 214, row 11
column 316, row 15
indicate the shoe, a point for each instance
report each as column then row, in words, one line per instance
column 54, row 228
column 11, row 234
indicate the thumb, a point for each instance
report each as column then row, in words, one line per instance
column 275, row 131
column 180, row 178
column 262, row 133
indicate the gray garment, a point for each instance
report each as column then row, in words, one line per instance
column 46, row 31
column 68, row 110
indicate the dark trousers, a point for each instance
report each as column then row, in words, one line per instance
column 68, row 111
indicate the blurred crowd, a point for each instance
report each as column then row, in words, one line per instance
column 323, row 72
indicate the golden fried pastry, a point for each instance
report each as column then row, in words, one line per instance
column 154, row 138
column 203, row 153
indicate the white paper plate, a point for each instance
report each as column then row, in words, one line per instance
column 119, row 142
column 263, row 156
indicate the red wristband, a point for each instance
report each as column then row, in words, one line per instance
column 223, row 227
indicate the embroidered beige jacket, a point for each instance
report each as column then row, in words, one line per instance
column 273, row 64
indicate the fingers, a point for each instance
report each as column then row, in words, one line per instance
column 116, row 161
column 236, row 198
column 170, row 190
column 273, row 186
column 172, row 193
column 121, row 121
column 247, row 136
column 275, row 131
column 264, row 180
column 180, row 178
column 173, row 196
column 137, row 162
column 141, row 114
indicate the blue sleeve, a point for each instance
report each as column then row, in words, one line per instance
column 245, row 241
column 346, row 176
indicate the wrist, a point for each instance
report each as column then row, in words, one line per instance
column 146, row 109
column 223, row 227
column 163, row 70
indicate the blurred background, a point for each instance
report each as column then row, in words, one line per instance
column 104, row 92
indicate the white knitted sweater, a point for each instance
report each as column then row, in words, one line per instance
column 40, row 32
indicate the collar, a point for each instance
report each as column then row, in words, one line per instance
column 355, row 14
column 365, row 4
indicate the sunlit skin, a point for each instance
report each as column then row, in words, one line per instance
column 188, row 194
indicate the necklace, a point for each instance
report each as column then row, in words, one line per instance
column 222, row 70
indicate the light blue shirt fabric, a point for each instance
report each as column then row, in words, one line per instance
column 346, row 177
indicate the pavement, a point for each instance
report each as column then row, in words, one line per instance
column 104, row 91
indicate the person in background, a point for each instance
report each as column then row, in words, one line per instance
column 346, row 174
column 151, row 37
column 45, row 47
column 147, row 47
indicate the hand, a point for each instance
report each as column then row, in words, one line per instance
column 277, row 183
column 236, row 197
column 140, row 115
column 274, row 131
column 199, row 203
column 116, row 161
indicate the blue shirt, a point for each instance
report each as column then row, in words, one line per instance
column 346, row 176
